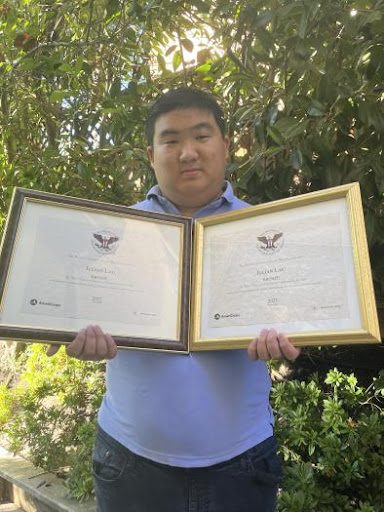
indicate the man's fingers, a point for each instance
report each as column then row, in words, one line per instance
column 288, row 350
column 52, row 350
column 262, row 347
column 104, row 345
column 252, row 350
column 101, row 344
column 270, row 345
column 111, row 347
column 257, row 347
column 92, row 344
column 273, row 346
column 76, row 347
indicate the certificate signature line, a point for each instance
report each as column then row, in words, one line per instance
column 91, row 284
column 97, row 261
column 271, row 286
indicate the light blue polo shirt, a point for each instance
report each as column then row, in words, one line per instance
column 187, row 410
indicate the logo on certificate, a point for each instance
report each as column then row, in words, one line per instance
column 218, row 316
column 105, row 242
column 270, row 241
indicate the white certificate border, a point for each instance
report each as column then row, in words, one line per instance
column 9, row 246
column 368, row 331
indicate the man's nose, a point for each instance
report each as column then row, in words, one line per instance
column 188, row 151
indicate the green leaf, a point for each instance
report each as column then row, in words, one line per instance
column 204, row 68
column 61, row 95
column 27, row 64
column 161, row 62
column 131, row 34
column 78, row 67
column 265, row 38
column 83, row 170
column 273, row 112
column 65, row 67
column 296, row 159
column 370, row 226
column 170, row 50
column 263, row 19
column 271, row 151
column 315, row 112
column 370, row 16
column 290, row 127
column 203, row 55
column 110, row 110
column 303, row 25
column 275, row 135
column 176, row 61
column 187, row 44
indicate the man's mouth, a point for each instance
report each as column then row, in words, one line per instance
column 191, row 171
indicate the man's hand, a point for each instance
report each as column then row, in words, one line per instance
column 270, row 345
column 91, row 344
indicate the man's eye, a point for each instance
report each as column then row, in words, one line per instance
column 170, row 141
column 202, row 137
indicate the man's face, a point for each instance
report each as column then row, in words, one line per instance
column 189, row 156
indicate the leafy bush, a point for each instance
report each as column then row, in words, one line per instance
column 50, row 414
column 331, row 435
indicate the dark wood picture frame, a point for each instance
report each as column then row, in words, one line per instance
column 27, row 333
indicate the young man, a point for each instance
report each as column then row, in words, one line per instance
column 186, row 433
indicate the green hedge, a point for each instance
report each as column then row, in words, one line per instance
column 331, row 432
column 50, row 414
column 331, row 435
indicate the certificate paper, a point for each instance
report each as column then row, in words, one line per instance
column 292, row 272
column 299, row 265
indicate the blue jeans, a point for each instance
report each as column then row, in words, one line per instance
column 125, row 482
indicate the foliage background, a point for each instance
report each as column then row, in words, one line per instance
column 301, row 83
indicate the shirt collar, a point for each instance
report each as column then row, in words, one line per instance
column 227, row 194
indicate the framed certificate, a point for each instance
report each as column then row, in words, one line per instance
column 299, row 265
column 67, row 263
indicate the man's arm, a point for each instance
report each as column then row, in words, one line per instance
column 272, row 345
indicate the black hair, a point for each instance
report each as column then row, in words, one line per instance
column 183, row 98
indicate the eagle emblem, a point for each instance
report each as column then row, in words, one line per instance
column 105, row 242
column 270, row 241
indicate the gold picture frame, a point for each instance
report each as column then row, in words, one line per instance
column 317, row 287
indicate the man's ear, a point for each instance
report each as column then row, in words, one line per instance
column 150, row 154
